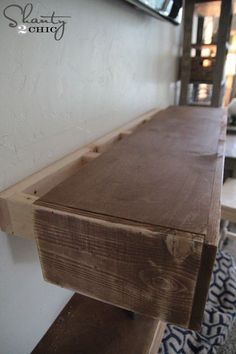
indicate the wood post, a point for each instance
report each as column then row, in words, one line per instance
column 186, row 62
column 223, row 35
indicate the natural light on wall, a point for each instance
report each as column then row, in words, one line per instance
column 230, row 71
column 230, row 67
column 208, row 30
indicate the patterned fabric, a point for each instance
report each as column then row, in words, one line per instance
column 219, row 315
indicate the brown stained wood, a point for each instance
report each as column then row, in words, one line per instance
column 87, row 326
column 162, row 174
column 131, row 267
column 222, row 38
column 134, row 227
column 16, row 202
column 186, row 60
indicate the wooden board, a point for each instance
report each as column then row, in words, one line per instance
column 16, row 202
column 222, row 49
column 185, row 70
column 16, row 218
column 87, row 326
column 138, row 226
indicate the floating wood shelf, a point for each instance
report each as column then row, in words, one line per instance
column 132, row 219
column 138, row 226
column 87, row 326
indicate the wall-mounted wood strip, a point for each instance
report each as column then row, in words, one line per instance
column 131, row 227
column 16, row 210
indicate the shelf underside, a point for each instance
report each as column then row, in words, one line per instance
column 87, row 326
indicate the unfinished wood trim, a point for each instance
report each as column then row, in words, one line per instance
column 20, row 213
column 160, row 330
column 102, row 144
column 16, row 215
column 90, row 156
column 46, row 175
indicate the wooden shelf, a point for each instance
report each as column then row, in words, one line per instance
column 87, row 326
column 131, row 219
column 138, row 226
column 203, row 45
column 16, row 202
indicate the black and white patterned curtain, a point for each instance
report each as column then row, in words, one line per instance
column 219, row 315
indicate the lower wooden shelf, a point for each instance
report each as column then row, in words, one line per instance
column 87, row 326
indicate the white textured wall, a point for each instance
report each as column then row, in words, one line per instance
column 113, row 64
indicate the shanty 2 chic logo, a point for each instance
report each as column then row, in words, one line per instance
column 22, row 19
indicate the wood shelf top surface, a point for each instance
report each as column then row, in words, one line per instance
column 162, row 175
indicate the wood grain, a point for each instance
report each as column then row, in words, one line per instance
column 131, row 267
column 162, row 174
column 134, row 227
column 185, row 72
column 87, row 326
column 16, row 210
column 222, row 49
